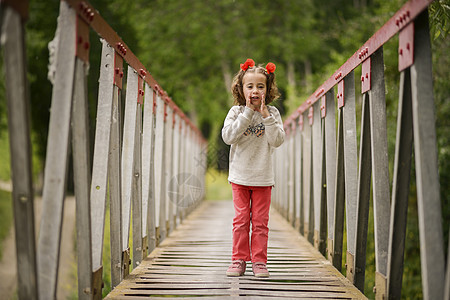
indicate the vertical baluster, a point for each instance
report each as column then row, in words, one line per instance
column 136, row 193
column 350, row 162
column 160, row 209
column 292, row 179
column 400, row 188
column 168, row 169
column 330, row 162
column 288, row 174
column 148, row 204
column 57, row 150
column 176, row 167
column 356, row 267
column 380, row 169
column 301, row 178
column 98, row 188
column 307, row 180
column 82, row 175
column 285, row 180
column 318, row 164
column 114, row 175
column 13, row 43
column 115, row 192
column 425, row 153
column 181, row 207
column 339, row 202
column 129, row 142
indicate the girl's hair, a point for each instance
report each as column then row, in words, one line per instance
column 272, row 93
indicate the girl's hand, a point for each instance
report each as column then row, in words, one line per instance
column 248, row 102
column 263, row 109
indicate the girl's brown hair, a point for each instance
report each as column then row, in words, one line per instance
column 238, row 93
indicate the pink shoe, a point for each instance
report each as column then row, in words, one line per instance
column 260, row 270
column 237, row 268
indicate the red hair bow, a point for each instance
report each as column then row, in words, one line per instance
column 270, row 67
column 248, row 63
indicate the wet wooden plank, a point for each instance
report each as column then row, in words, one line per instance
column 191, row 263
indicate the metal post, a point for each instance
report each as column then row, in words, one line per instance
column 57, row 150
column 12, row 36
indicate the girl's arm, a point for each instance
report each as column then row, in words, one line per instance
column 236, row 123
column 274, row 128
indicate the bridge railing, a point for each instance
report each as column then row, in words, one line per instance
column 319, row 183
column 148, row 158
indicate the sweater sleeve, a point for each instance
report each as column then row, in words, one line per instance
column 236, row 123
column 274, row 128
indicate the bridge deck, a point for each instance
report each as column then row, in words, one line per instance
column 192, row 263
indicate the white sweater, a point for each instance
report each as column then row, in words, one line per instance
column 252, row 139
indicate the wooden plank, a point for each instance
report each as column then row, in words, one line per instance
column 177, row 268
column 13, row 43
column 99, row 185
column 115, row 194
column 82, row 180
column 426, row 164
column 57, row 149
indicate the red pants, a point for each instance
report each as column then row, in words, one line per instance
column 250, row 203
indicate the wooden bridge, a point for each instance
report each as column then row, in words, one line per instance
column 149, row 165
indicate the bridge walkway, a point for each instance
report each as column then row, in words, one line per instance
column 192, row 262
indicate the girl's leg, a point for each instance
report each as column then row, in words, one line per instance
column 241, row 222
column 260, row 219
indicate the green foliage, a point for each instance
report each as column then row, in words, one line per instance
column 5, row 172
column 5, row 217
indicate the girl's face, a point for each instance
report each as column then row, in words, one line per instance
column 254, row 87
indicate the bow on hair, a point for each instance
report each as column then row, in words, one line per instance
column 270, row 67
column 248, row 63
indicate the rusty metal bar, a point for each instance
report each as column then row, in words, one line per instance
column 394, row 25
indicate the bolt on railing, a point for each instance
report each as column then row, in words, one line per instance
column 152, row 165
column 318, row 178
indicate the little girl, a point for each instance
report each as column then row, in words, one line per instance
column 253, row 130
